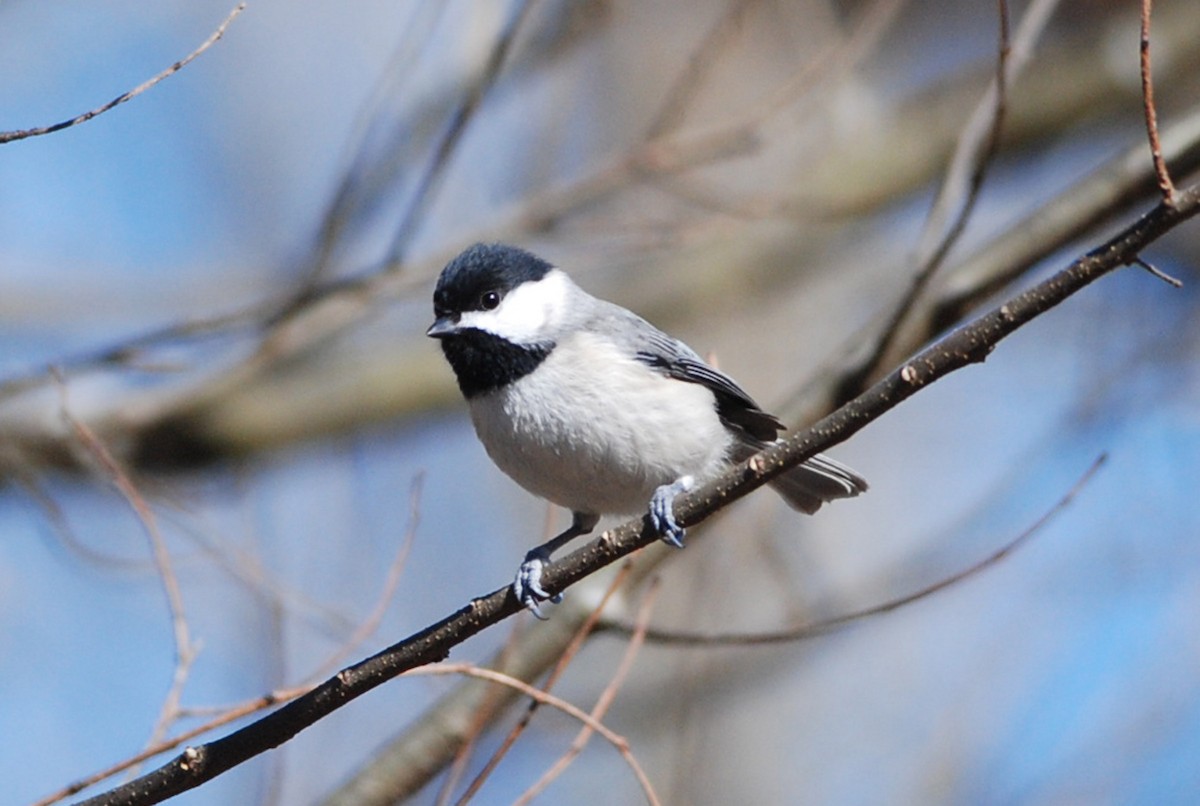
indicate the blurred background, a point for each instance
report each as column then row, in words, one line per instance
column 232, row 274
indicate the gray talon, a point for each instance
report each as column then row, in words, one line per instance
column 662, row 511
column 527, row 587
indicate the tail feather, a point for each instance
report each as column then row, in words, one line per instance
column 815, row 482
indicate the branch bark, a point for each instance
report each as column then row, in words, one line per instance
column 967, row 345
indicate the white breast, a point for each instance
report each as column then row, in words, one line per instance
column 597, row 432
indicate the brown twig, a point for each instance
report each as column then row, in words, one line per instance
column 12, row 136
column 227, row 715
column 439, row 159
column 224, row 714
column 1074, row 213
column 490, row 706
column 826, row 626
column 704, row 56
column 185, row 650
column 359, row 183
column 1165, row 185
column 654, row 158
column 978, row 144
column 60, row 526
column 491, row 675
column 560, row 666
column 603, row 703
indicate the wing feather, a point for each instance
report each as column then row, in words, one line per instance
column 735, row 407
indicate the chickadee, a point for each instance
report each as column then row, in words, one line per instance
column 587, row 405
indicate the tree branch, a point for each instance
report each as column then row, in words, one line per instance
column 21, row 134
column 1165, row 185
column 826, row 626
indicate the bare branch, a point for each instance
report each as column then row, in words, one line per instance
column 371, row 623
column 602, row 704
column 185, row 650
column 589, row 721
column 1175, row 282
column 1165, row 185
column 977, row 146
column 826, row 626
column 226, row 716
column 9, row 137
column 1076, row 211
column 572, row 648
column 440, row 155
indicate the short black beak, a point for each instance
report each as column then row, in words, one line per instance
column 442, row 326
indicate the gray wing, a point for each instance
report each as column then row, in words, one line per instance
column 806, row 487
column 676, row 360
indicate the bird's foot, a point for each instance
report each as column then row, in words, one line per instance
column 662, row 510
column 527, row 587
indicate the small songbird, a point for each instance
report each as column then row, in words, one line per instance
column 587, row 405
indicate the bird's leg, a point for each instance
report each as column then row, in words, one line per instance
column 527, row 587
column 662, row 510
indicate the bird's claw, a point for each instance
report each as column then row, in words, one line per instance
column 527, row 587
column 662, row 511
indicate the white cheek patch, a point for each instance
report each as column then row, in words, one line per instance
column 527, row 313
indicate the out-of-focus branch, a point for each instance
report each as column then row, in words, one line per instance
column 560, row 666
column 185, row 649
column 603, row 703
column 976, row 149
column 968, row 345
column 590, row 721
column 472, row 97
column 825, row 626
column 1072, row 214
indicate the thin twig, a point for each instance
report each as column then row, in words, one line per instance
column 977, row 146
column 482, row 716
column 1162, row 275
column 821, row 71
column 61, row 527
column 394, row 81
column 560, row 666
column 185, row 651
column 703, row 57
column 227, row 714
column 12, row 136
column 826, row 626
column 460, row 119
column 1076, row 212
column 617, row 741
column 603, row 703
column 1165, row 185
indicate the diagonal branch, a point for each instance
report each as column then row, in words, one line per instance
column 968, row 345
column 826, row 626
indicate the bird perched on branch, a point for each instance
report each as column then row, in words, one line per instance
column 587, row 405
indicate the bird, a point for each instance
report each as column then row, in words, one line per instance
column 587, row 405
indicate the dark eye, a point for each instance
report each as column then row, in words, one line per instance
column 489, row 300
